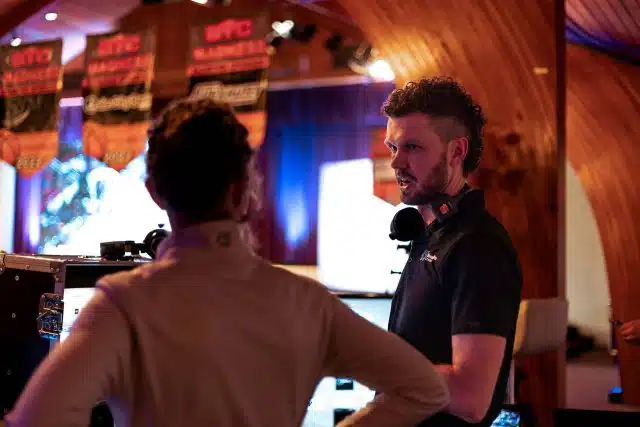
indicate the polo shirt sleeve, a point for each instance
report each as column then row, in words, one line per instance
column 487, row 285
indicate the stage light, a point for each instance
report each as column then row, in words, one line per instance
column 16, row 41
column 334, row 43
column 274, row 40
column 303, row 33
column 363, row 53
column 283, row 29
column 381, row 70
column 50, row 16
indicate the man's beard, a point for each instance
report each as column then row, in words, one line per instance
column 431, row 188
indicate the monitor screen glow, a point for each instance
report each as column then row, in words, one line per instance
column 335, row 396
column 74, row 300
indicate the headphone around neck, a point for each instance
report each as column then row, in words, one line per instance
column 446, row 206
column 407, row 223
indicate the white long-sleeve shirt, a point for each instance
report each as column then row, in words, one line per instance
column 211, row 335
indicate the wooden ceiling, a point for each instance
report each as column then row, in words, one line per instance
column 76, row 18
column 5, row 5
column 609, row 25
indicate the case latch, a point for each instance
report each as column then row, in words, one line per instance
column 50, row 316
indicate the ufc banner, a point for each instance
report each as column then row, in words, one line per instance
column 117, row 95
column 31, row 82
column 228, row 62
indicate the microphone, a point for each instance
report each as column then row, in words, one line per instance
column 407, row 224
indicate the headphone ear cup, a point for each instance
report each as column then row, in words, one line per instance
column 152, row 241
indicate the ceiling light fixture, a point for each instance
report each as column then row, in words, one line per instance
column 50, row 16
column 16, row 41
column 283, row 28
column 303, row 33
column 381, row 70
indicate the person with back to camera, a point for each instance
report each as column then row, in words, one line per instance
column 458, row 298
column 209, row 334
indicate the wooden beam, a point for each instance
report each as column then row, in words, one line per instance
column 20, row 12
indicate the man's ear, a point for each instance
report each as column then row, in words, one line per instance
column 151, row 188
column 459, row 148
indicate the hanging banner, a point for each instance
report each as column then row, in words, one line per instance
column 31, row 82
column 117, row 96
column 228, row 62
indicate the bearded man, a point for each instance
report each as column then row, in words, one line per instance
column 459, row 294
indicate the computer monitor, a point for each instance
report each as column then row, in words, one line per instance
column 509, row 416
column 75, row 299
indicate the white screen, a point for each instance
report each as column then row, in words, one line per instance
column 355, row 253
column 327, row 397
column 117, row 206
column 74, row 300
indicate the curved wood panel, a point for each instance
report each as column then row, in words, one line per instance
column 504, row 54
column 603, row 103
column 14, row 12
column 611, row 24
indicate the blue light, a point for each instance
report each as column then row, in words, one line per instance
column 296, row 216
column 293, row 210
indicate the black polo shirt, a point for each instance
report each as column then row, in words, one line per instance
column 463, row 276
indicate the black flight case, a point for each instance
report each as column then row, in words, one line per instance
column 31, row 313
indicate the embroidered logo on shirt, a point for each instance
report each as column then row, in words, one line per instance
column 428, row 257
column 224, row 239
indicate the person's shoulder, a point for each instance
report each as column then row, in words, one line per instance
column 294, row 281
column 481, row 237
column 146, row 275
column 302, row 294
column 484, row 232
column 492, row 226
column 485, row 242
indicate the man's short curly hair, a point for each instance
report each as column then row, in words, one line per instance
column 197, row 149
column 441, row 97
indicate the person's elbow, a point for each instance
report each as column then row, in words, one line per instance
column 470, row 406
column 442, row 396
column 477, row 413
column 435, row 396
